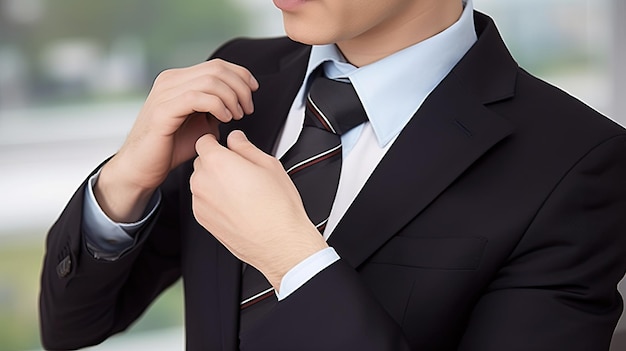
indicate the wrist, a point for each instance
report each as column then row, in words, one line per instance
column 119, row 198
column 296, row 254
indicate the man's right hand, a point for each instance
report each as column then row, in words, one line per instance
column 183, row 105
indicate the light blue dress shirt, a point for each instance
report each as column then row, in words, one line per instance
column 391, row 91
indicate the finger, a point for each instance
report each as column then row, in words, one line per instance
column 207, row 148
column 233, row 92
column 194, row 180
column 239, row 143
column 195, row 126
column 192, row 101
column 227, row 97
column 238, row 78
column 206, row 144
column 177, row 76
column 242, row 72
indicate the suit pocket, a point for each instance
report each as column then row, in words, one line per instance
column 447, row 253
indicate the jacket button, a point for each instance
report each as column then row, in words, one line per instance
column 64, row 267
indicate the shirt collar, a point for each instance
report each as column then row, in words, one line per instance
column 392, row 89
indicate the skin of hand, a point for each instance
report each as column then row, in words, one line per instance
column 183, row 105
column 245, row 198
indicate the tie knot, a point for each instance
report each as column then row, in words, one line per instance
column 333, row 105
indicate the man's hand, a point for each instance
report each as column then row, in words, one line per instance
column 247, row 201
column 183, row 105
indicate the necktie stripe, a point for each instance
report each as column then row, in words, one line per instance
column 314, row 159
column 320, row 115
column 321, row 226
column 256, row 298
column 322, row 223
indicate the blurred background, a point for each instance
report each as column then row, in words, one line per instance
column 73, row 75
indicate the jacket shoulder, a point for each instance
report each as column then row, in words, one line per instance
column 557, row 110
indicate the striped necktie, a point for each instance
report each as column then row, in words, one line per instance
column 314, row 164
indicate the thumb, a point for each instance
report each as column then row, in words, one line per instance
column 206, row 143
column 239, row 143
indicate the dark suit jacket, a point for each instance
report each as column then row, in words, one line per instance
column 495, row 222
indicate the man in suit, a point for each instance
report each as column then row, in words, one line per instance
column 478, row 208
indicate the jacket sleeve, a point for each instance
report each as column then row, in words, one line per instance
column 83, row 300
column 558, row 290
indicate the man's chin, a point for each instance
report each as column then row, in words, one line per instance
column 308, row 36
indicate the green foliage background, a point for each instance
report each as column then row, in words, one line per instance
column 20, row 267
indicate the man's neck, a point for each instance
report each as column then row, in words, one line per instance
column 419, row 22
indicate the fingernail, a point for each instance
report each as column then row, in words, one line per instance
column 254, row 83
column 238, row 134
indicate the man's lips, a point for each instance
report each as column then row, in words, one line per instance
column 289, row 5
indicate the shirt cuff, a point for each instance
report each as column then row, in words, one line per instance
column 305, row 270
column 105, row 238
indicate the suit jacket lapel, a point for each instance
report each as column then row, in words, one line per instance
column 272, row 102
column 277, row 91
column 452, row 129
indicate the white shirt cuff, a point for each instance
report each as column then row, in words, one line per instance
column 305, row 270
column 105, row 238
